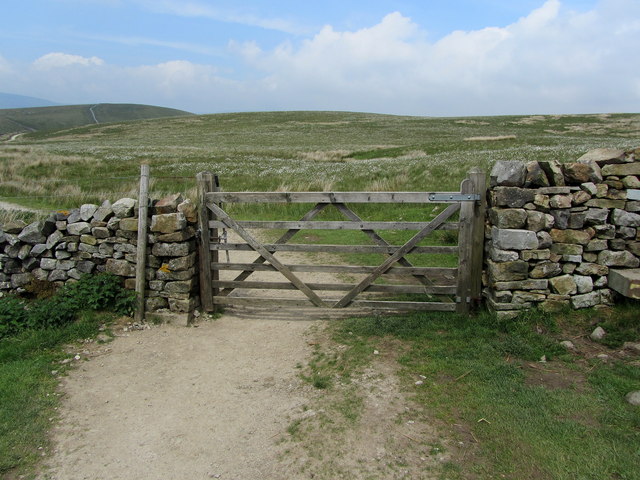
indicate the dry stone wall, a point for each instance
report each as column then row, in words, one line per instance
column 554, row 230
column 103, row 238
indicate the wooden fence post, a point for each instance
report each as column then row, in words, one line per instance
column 465, row 243
column 141, row 247
column 479, row 180
column 205, row 184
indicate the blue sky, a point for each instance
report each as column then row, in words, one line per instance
column 416, row 57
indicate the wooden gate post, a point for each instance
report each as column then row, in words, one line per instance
column 465, row 242
column 479, row 180
column 206, row 184
column 141, row 247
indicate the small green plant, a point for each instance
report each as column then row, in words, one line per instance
column 91, row 292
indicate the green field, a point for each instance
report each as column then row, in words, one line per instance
column 16, row 120
column 291, row 151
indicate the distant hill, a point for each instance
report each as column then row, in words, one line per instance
column 17, row 120
column 9, row 100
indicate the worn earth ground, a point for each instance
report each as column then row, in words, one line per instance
column 226, row 399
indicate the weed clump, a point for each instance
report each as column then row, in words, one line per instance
column 91, row 292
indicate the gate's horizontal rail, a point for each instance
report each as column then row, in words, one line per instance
column 261, row 267
column 334, row 197
column 298, row 225
column 299, row 247
column 339, row 287
column 369, row 304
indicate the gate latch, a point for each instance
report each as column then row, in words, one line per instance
column 454, row 197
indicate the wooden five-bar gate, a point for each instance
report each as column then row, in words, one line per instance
column 442, row 289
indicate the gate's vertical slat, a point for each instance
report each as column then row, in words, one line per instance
column 205, row 185
column 465, row 243
column 478, row 177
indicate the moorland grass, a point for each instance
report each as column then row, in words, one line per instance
column 291, row 151
column 475, row 373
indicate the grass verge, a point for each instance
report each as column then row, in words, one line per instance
column 512, row 415
column 29, row 370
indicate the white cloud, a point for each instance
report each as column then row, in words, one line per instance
column 237, row 15
column 551, row 60
column 62, row 60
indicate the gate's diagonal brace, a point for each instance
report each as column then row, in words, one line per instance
column 258, row 247
column 351, row 215
column 401, row 252
column 283, row 239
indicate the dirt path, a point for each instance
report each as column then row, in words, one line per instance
column 182, row 403
column 226, row 400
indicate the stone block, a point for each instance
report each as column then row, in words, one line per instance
column 625, row 219
column 168, row 223
column 618, row 259
column 605, row 231
column 577, row 220
column 121, row 268
column 529, row 284
column 185, row 286
column 617, row 194
column 104, row 212
column 184, row 263
column 155, row 303
column 535, row 176
column 596, row 216
column 65, row 264
column 58, row 276
column 541, row 201
column 567, row 249
column 189, row 210
column 181, row 236
column 123, row 208
column 580, row 237
column 605, row 203
column 79, row 228
column 604, row 156
column 508, row 173
column 129, row 224
column 561, row 218
column 544, row 240
column 554, row 173
column 563, row 285
column 168, row 204
column 580, row 198
column 507, row 271
column 626, row 282
column 586, row 300
column 512, row 197
column 100, row 232
column 527, row 255
column 545, row 269
column 537, row 221
column 88, row 239
column 584, row 283
column 53, row 239
column 32, row 233
column 508, row 239
column 621, row 170
column 580, row 172
column 631, row 181
column 596, row 245
column 87, row 211
column 560, row 201
column 589, row 187
column 528, row 297
column 617, row 244
column 172, row 249
column 508, row 217
column 183, row 306
column 165, row 274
